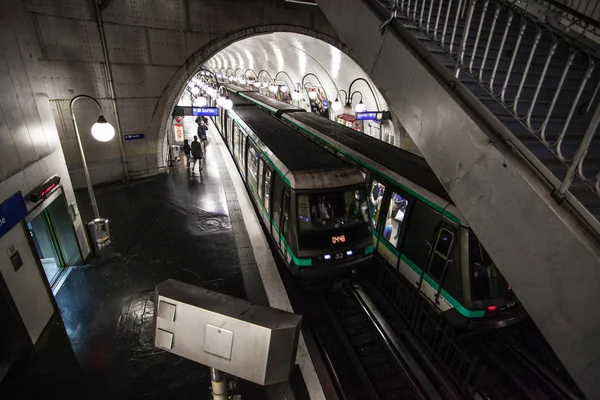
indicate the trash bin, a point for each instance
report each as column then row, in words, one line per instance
column 99, row 233
column 175, row 152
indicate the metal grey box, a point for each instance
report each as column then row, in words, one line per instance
column 250, row 341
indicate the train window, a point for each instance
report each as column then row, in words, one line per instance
column 395, row 216
column 332, row 210
column 441, row 253
column 487, row 282
column 260, row 179
column 252, row 163
column 267, row 188
column 376, row 197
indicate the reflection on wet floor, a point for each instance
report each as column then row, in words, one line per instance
column 100, row 346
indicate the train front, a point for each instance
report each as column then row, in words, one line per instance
column 333, row 229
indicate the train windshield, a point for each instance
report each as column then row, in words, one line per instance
column 324, row 213
column 486, row 280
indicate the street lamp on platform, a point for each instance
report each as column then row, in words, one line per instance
column 103, row 132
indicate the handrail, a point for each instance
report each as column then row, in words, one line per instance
column 462, row 21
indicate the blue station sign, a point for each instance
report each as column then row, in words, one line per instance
column 367, row 116
column 373, row 115
column 134, row 136
column 12, row 211
column 205, row 111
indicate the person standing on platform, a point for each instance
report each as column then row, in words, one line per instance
column 187, row 150
column 196, row 154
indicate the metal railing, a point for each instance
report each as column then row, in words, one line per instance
column 540, row 76
column 474, row 377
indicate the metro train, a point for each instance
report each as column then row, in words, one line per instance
column 416, row 228
column 312, row 203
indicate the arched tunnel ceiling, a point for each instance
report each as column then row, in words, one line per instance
column 298, row 55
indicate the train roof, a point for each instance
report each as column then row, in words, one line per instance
column 272, row 105
column 304, row 163
column 402, row 162
column 231, row 88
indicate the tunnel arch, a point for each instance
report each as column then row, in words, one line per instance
column 170, row 95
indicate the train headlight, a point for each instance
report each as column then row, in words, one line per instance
column 327, row 256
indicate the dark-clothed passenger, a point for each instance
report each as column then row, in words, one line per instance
column 196, row 149
column 187, row 150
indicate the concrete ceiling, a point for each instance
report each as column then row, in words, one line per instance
column 298, row 55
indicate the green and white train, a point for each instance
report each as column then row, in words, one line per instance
column 312, row 203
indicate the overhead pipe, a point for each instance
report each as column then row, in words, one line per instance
column 111, row 87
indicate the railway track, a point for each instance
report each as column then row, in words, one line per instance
column 361, row 359
column 527, row 376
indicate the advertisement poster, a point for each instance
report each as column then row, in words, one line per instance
column 318, row 105
column 285, row 97
column 179, row 136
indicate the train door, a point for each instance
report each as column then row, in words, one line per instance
column 235, row 143
column 285, row 219
column 242, row 152
column 278, row 187
column 430, row 245
column 252, row 174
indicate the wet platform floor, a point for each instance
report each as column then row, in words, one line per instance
column 100, row 345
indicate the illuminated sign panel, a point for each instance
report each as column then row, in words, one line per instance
column 373, row 115
column 338, row 239
column 205, row 111
column 42, row 191
column 368, row 116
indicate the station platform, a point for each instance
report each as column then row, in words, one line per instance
column 200, row 229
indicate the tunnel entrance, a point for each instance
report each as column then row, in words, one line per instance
column 302, row 69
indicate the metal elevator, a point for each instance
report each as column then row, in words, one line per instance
column 501, row 98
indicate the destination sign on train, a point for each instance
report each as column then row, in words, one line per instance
column 205, row 111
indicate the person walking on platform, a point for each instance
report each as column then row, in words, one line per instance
column 203, row 133
column 196, row 154
column 187, row 150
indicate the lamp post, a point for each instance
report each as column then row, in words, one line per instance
column 103, row 132
column 370, row 88
column 224, row 101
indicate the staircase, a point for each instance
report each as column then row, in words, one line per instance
column 505, row 109
column 541, row 84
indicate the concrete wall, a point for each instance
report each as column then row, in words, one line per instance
column 30, row 153
column 148, row 43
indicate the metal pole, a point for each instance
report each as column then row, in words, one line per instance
column 111, row 87
column 581, row 152
column 218, row 383
column 88, row 181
